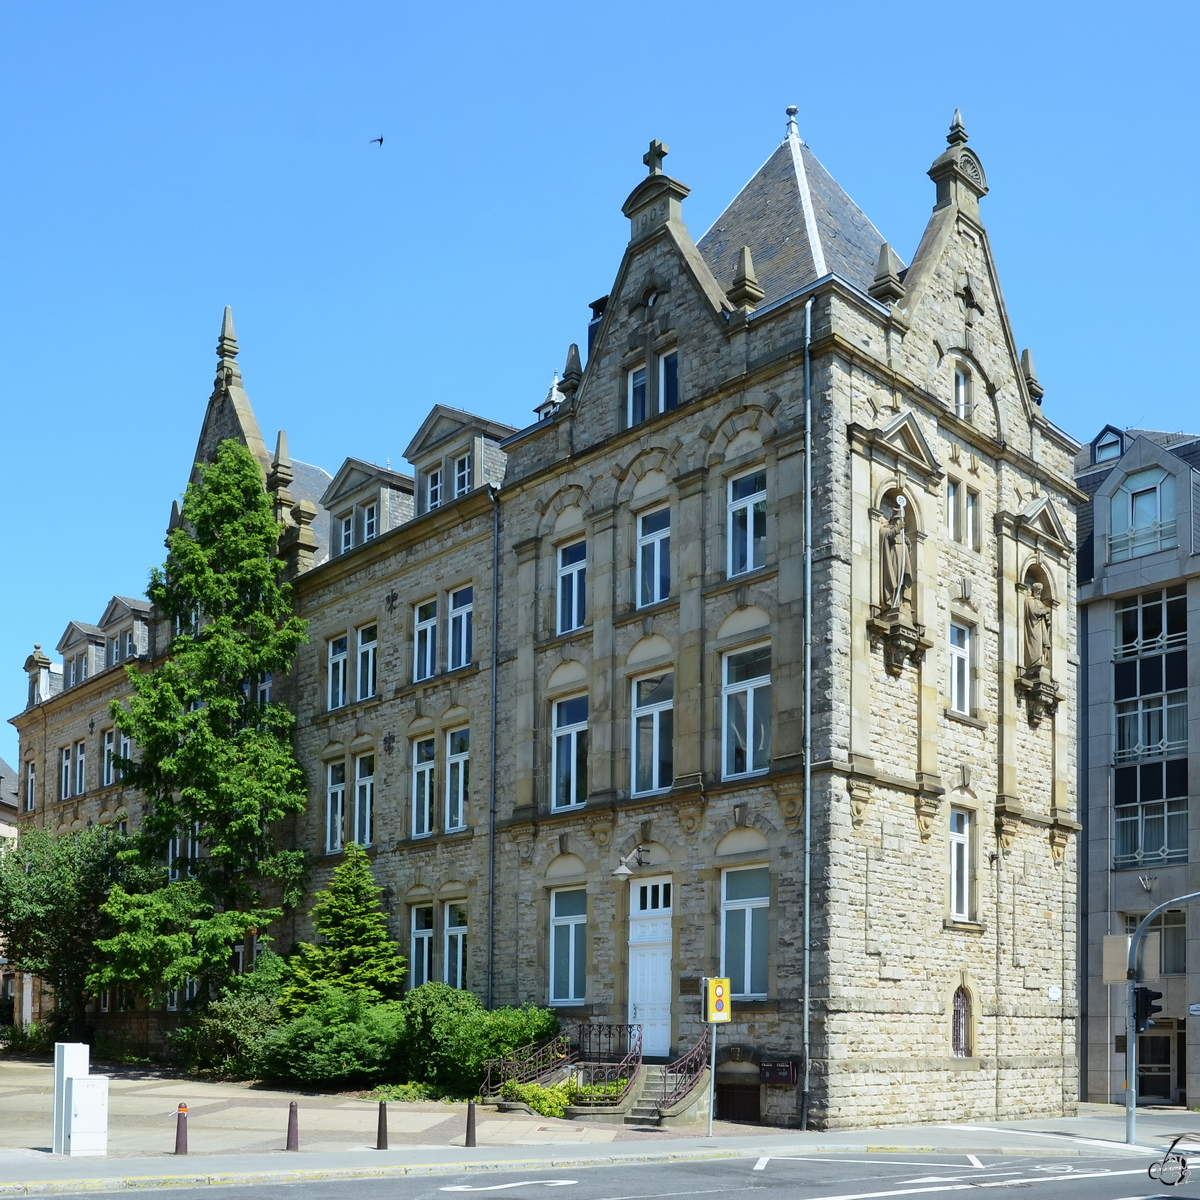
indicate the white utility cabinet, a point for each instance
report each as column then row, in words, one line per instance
column 71, row 1059
column 87, row 1115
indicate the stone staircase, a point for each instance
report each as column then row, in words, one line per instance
column 645, row 1107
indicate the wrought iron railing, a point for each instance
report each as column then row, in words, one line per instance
column 604, row 1043
column 528, row 1064
column 607, row 1084
column 679, row 1077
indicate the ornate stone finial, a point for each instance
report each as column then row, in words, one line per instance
column 572, row 374
column 1031, row 380
column 281, row 465
column 887, row 286
column 745, row 291
column 654, row 156
column 958, row 131
column 228, row 373
column 793, row 130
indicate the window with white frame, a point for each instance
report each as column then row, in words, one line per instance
column 335, row 806
column 464, row 472
column 456, row 946
column 746, row 689
column 368, row 641
column 172, row 1004
column 264, row 688
column 425, row 641
column 570, row 766
column 347, row 532
column 971, row 514
column 668, row 381
column 64, row 773
column 80, row 768
column 1142, row 513
column 747, row 522
column 338, row 669
column 370, row 517
column 654, row 557
column 130, row 644
column 462, row 619
column 458, row 777
column 960, row 668
column 1152, row 726
column 954, row 509
column 653, row 732
column 126, row 745
column 421, row 948
column 572, row 586
column 424, row 754
column 568, row 946
column 30, row 787
column 183, row 850
column 1150, row 811
column 635, row 391
column 108, row 767
column 1107, row 448
column 364, row 799
column 960, row 864
column 745, row 931
column 114, row 650
column 962, row 393
column 433, row 489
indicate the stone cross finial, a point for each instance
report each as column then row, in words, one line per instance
column 654, row 156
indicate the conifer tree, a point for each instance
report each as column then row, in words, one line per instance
column 357, row 954
column 215, row 765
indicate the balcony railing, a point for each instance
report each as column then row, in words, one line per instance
column 1142, row 539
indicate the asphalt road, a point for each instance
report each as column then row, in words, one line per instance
column 820, row 1177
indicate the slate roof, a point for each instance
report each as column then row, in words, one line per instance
column 8, row 787
column 137, row 603
column 799, row 225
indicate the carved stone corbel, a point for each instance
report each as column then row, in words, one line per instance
column 900, row 638
column 928, row 806
column 600, row 826
column 861, row 790
column 790, row 795
column 1041, row 694
column 1009, row 811
column 691, row 814
column 1061, row 831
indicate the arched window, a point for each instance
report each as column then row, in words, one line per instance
column 1143, row 515
column 961, row 1033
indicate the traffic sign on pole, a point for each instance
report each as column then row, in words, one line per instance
column 718, row 1000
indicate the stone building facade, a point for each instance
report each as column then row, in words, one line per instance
column 1139, row 593
column 645, row 692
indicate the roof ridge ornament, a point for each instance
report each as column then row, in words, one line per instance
column 228, row 372
column 793, row 130
column 654, row 156
column 958, row 131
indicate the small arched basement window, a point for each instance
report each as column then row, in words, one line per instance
column 961, row 1032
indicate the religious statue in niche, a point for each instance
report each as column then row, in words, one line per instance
column 892, row 621
column 1037, row 629
column 895, row 562
column 1035, row 680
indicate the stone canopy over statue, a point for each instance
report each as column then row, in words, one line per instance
column 896, row 563
column 1037, row 630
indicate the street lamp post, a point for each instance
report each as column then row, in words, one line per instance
column 1131, row 1016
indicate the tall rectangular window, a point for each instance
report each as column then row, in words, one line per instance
column 1150, row 811
column 335, row 806
column 110, row 736
column 347, row 533
column 456, row 946
column 424, row 753
column 570, row 752
column 370, row 521
column 368, row 641
column 960, row 668
column 126, row 750
column 635, row 386
column 653, row 732
column 83, row 666
column 462, row 618
column 654, row 557
column 264, row 688
column 747, row 704
column 747, row 522
column 364, row 799
column 745, row 931
column 962, row 394
column 421, row 949
column 572, row 586
column 64, row 773
column 463, row 474
column 30, row 787
column 458, row 777
column 953, row 509
column 425, row 638
column 337, row 672
column 668, row 381
column 960, row 864
column 433, row 489
column 971, row 514
column 568, row 946
column 1171, row 927
column 114, row 650
column 80, row 768
column 1152, row 622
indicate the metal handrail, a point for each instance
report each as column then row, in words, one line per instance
column 528, row 1063
column 587, row 1075
column 684, row 1071
column 604, row 1042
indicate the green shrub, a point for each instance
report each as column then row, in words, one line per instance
column 547, row 1101
column 340, row 1039
column 33, row 1038
column 409, row 1093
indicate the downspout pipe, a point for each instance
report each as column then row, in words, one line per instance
column 807, row 744
column 491, row 940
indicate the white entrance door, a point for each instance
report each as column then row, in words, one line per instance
column 650, row 963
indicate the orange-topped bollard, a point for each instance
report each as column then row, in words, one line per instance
column 181, row 1129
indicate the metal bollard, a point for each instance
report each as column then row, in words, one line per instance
column 181, row 1129
column 293, row 1141
column 470, row 1123
column 381, row 1133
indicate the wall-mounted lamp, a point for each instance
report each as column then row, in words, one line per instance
column 623, row 871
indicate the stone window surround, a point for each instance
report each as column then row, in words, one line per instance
column 972, row 806
column 347, row 755
column 422, row 729
column 446, row 463
column 959, row 616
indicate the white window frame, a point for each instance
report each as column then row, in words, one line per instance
column 652, row 717
column 264, row 689
column 433, row 489
column 64, row 773
column 757, row 692
column 572, row 587
column 130, row 645
column 458, row 777
column 424, row 777
column 335, row 807
column 962, row 393
column 425, row 640
column 368, row 647
column 630, row 389
column 959, row 654
column 80, row 768
column 574, row 936
column 30, row 787
column 346, row 540
column 454, row 958
column 462, row 633
column 364, row 799
column 961, row 828
column 464, row 474
column 972, row 511
column 663, row 358
column 1108, row 448
column 126, row 747
column 566, row 748
column 748, row 906
column 954, row 516
column 653, row 558
column 370, row 521
column 421, row 946
column 110, row 738
column 339, row 654
column 114, row 649
column 1162, row 708
column 742, row 510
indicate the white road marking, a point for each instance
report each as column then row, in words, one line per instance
column 974, row 1161
column 758, row 1187
column 499, row 1187
column 960, row 1187
column 761, row 1165
column 1122, row 1147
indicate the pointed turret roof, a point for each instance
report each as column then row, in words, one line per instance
column 798, row 223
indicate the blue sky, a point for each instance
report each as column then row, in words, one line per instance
column 163, row 160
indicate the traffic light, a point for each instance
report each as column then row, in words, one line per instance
column 1144, row 1007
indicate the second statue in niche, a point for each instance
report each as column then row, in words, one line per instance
column 1037, row 630
column 895, row 560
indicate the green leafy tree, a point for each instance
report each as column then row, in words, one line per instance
column 52, row 893
column 357, row 954
column 213, row 762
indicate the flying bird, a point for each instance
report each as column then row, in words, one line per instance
column 374, row 140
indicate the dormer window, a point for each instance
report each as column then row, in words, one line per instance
column 346, row 541
column 1108, row 448
column 463, row 475
column 114, row 650
column 1142, row 513
column 433, row 489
